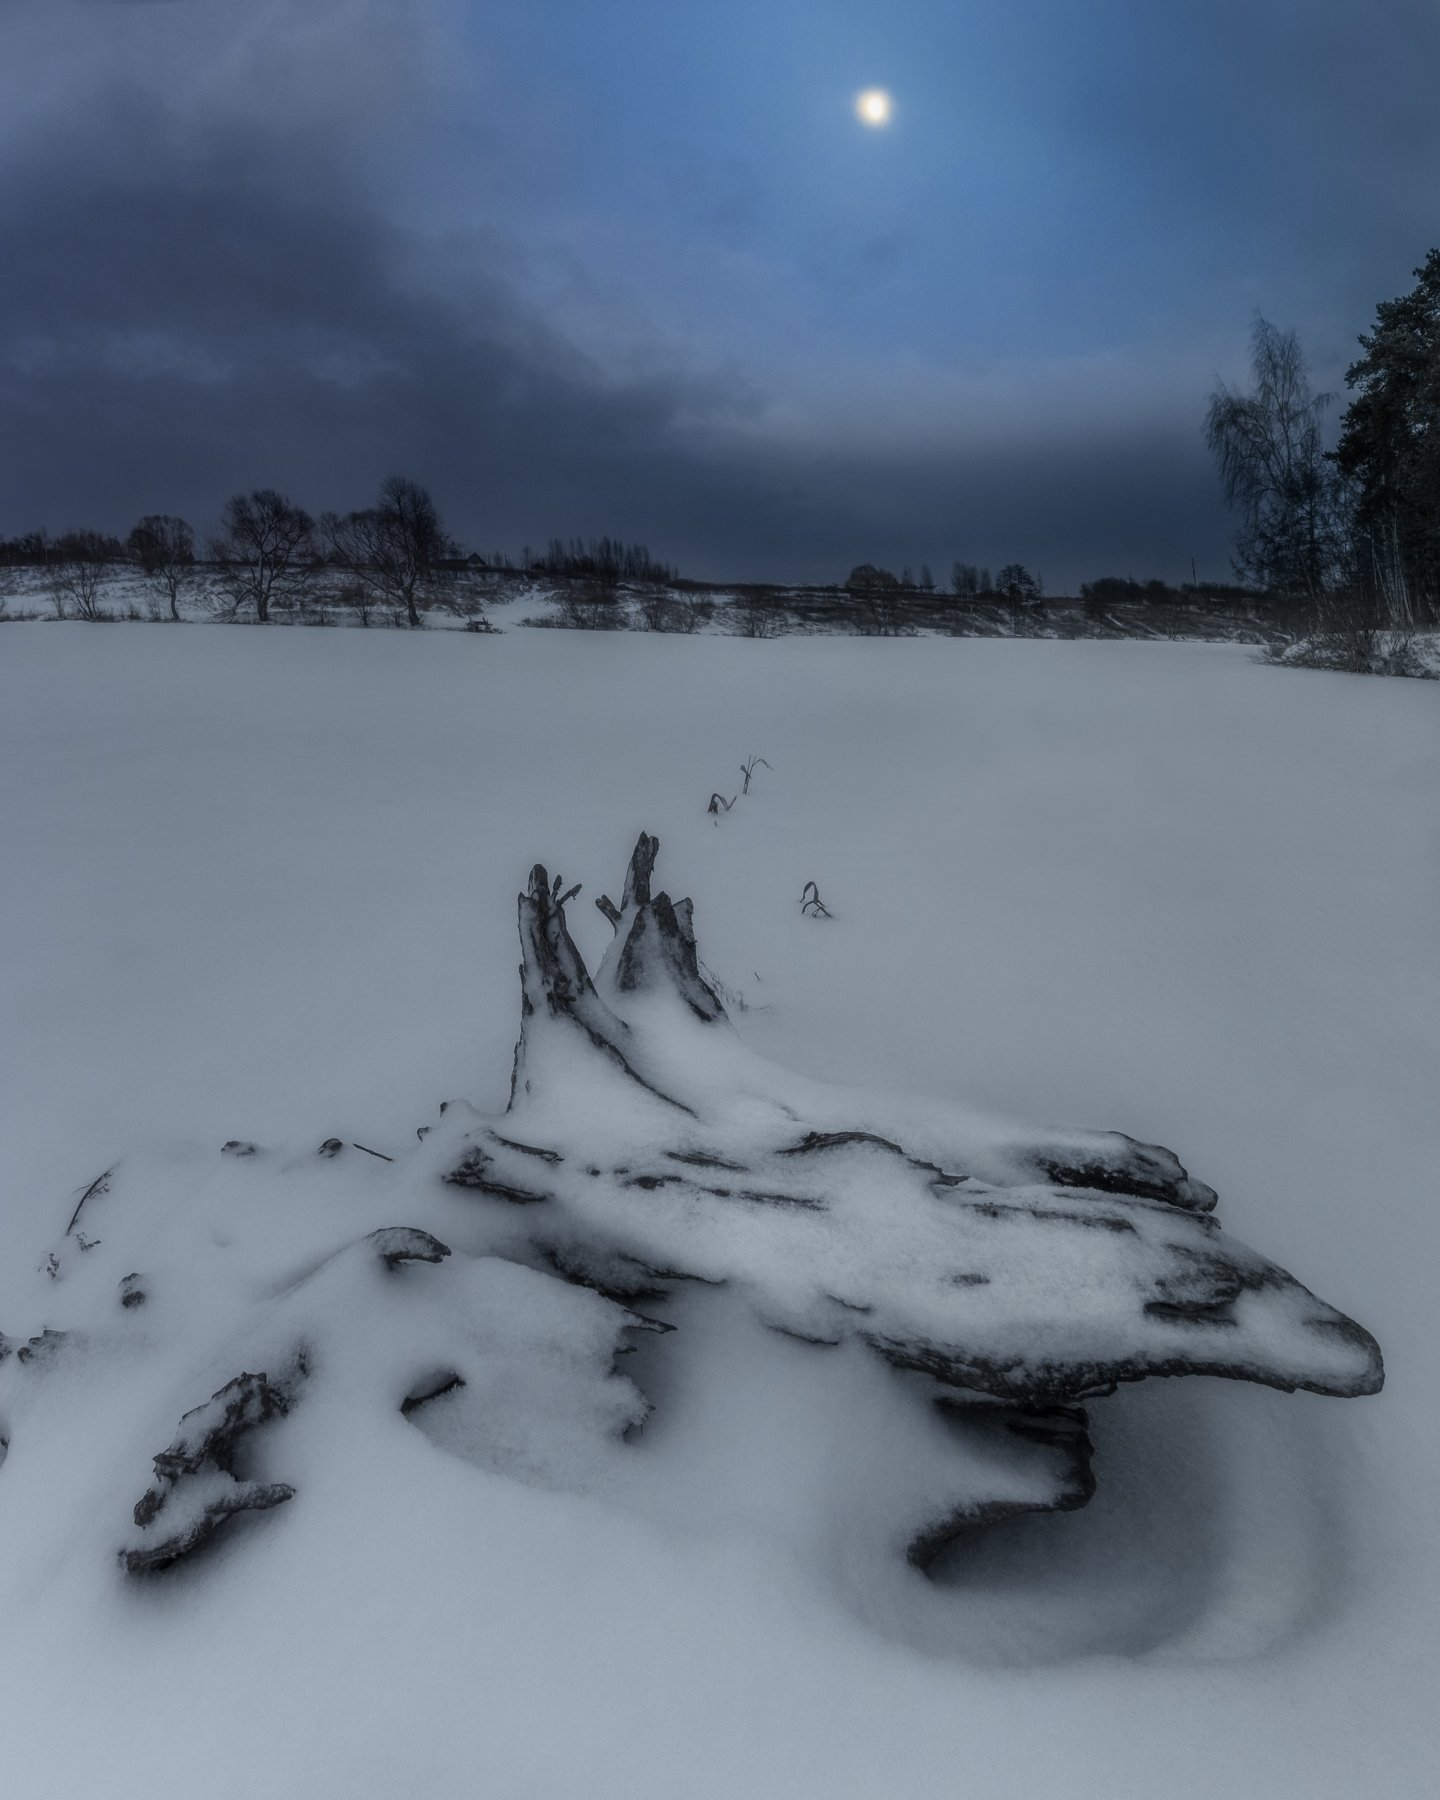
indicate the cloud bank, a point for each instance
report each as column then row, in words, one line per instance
column 315, row 245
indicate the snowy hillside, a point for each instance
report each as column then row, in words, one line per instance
column 471, row 596
column 259, row 923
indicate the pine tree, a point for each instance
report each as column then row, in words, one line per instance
column 1390, row 448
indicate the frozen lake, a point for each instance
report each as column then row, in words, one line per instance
column 261, row 885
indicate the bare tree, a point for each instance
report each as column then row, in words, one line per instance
column 663, row 610
column 607, row 560
column 164, row 547
column 1269, row 450
column 882, row 614
column 755, row 614
column 412, row 542
column 589, row 605
column 264, row 550
column 79, row 573
column 355, row 596
column 1021, row 592
column 395, row 546
column 348, row 540
column 865, row 577
column 964, row 580
column 660, row 611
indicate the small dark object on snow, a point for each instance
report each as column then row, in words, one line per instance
column 331, row 1147
column 396, row 1244
column 703, row 1159
column 236, row 1148
column 131, row 1292
column 41, row 1349
column 834, row 1140
column 812, row 905
column 100, row 1185
column 433, row 1389
column 748, row 768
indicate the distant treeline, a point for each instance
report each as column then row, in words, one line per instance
column 398, row 550
column 605, row 559
column 36, row 549
column 1015, row 583
column 395, row 557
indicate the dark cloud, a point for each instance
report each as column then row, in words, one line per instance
column 171, row 343
column 197, row 308
column 177, row 339
column 224, row 267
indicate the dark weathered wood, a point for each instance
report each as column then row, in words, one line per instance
column 637, row 876
column 1053, row 1438
column 748, row 768
column 1123, row 1165
column 206, row 1445
column 165, row 1552
column 659, row 952
column 434, row 1389
column 556, row 989
column 397, row 1244
column 100, row 1185
column 536, row 1150
column 477, row 1170
column 655, row 941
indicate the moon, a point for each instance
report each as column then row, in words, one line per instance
column 874, row 107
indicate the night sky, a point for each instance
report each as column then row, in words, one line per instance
column 636, row 266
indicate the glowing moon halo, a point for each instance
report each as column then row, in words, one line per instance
column 874, row 107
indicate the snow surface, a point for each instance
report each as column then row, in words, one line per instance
column 260, row 887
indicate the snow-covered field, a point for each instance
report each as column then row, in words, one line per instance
column 261, row 886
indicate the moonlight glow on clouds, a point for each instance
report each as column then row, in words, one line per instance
column 589, row 270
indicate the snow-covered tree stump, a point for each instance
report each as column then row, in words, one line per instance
column 972, row 1284
column 1022, row 1273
